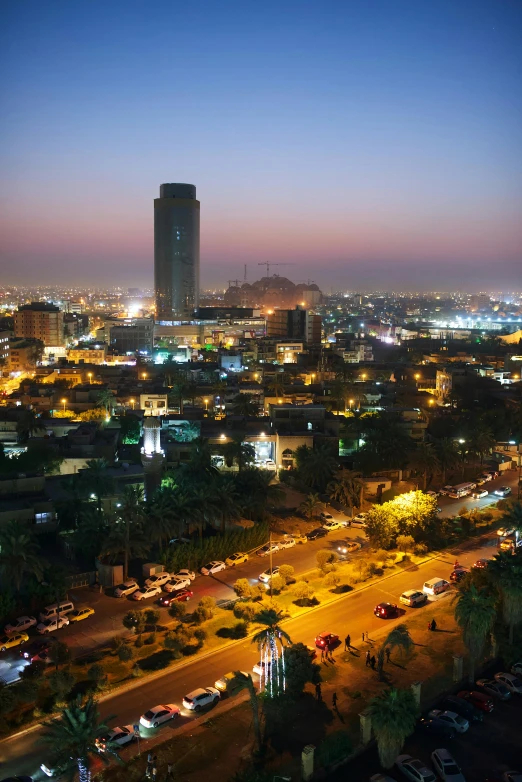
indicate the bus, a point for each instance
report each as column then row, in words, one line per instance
column 462, row 490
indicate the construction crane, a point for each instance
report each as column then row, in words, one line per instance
column 236, row 283
column 268, row 265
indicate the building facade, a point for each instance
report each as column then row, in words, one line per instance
column 176, row 252
column 42, row 321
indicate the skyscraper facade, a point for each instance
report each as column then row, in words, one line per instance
column 176, row 252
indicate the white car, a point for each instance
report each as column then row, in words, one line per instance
column 503, row 491
column 260, row 667
column 446, row 490
column 516, row 669
column 50, row 625
column 326, row 516
column 264, row 551
column 504, row 532
column 359, row 520
column 198, row 699
column 270, row 464
column 212, row 567
column 412, row 598
column 176, row 583
column 158, row 714
column 117, row 736
column 145, row 592
column 127, row 588
column 20, row 625
column 451, row 718
column 446, row 767
column 433, row 494
column 478, row 494
column 512, row 682
column 266, row 575
column 333, row 525
column 185, row 573
column 414, row 769
column 158, row 579
column 286, row 543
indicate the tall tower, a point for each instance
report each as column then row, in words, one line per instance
column 176, row 252
column 152, row 455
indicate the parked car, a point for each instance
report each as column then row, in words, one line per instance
column 432, row 493
column 177, row 582
column 20, row 625
column 446, row 490
column 203, row 696
column 481, row 564
column 494, row 689
column 159, row 714
column 80, row 613
column 516, row 669
column 435, row 586
column 487, row 476
column 320, row 532
column 229, row 682
column 458, row 723
column 299, row 537
column 478, row 494
column 359, row 520
column 502, row 491
column 463, row 707
column 212, row 567
column 414, row 769
column 185, row 573
column 264, row 551
column 458, row 574
column 437, row 727
column 38, row 650
column 117, row 736
column 145, row 592
column 510, row 544
column 236, row 559
column 512, row 682
column 386, row 610
column 348, row 548
column 157, row 579
column 182, row 595
column 326, row 516
column 50, row 625
column 261, row 667
column 266, row 575
column 512, row 776
column 478, row 699
column 504, row 532
column 127, row 588
column 326, row 640
column 446, row 767
column 333, row 525
column 413, row 598
column 287, row 542
column 12, row 640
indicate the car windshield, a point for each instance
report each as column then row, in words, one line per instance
column 122, row 586
column 516, row 682
column 451, row 769
column 149, row 715
column 208, row 567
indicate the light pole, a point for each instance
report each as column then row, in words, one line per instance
column 351, row 401
column 144, row 375
column 206, row 404
column 132, row 401
column 89, row 375
column 64, row 402
column 519, row 463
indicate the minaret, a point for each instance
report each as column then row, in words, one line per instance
column 151, row 455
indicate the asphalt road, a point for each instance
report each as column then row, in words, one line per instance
column 352, row 613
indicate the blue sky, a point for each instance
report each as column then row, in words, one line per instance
column 378, row 141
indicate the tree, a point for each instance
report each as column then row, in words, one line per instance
column 394, row 714
column 152, row 617
column 425, row 461
column 242, row 588
column 126, row 537
column 245, row 405
column 475, row 613
column 59, row 654
column 71, row 737
column 19, row 553
column 130, row 429
column 303, row 592
column 238, row 452
column 513, row 518
column 399, row 638
column 405, row 542
column 135, row 621
column 243, row 681
column 324, row 559
column 270, row 620
column 286, row 572
column 96, row 481
column 447, row 456
column 105, row 399
column 382, row 527
column 315, row 466
column 481, row 442
column 28, row 424
column 61, row 683
column 125, row 653
column 299, row 669
column 506, row 571
column 310, row 506
column 257, row 492
column 347, row 488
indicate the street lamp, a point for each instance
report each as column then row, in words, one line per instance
column 351, row 401
column 417, row 376
column 89, row 375
column 363, row 375
column 64, row 402
column 144, row 375
column 132, row 401
column 206, row 404
column 519, row 461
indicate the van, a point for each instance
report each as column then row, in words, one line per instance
column 435, row 586
column 461, row 490
column 510, row 544
column 52, row 611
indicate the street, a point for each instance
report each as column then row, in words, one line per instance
column 351, row 613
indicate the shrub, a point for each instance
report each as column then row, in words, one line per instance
column 96, row 674
column 207, row 605
column 125, row 653
column 177, row 610
column 463, row 511
column 361, row 570
column 134, row 620
column 303, row 591
column 152, row 616
column 286, row 572
column 332, row 580
column 486, row 515
column 195, row 554
column 117, row 642
column 372, row 567
column 139, row 642
column 381, row 556
column 200, row 635
column 324, row 558
column 258, row 591
column 61, row 683
column 150, row 639
column 421, row 549
column 177, row 640
column 277, row 583
column 245, row 611
column 334, row 748
column 405, row 543
column 242, row 588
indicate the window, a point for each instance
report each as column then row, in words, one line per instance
column 161, row 403
column 43, row 518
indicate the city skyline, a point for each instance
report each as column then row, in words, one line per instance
column 370, row 148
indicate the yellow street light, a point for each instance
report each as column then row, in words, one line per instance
column 132, row 401
column 431, row 401
column 206, row 403
column 64, row 402
column 417, row 376
column 351, row 401
column 89, row 375
column 363, row 375
column 144, row 375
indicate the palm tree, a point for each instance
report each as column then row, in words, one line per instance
column 425, row 461
column 310, row 505
column 506, row 571
column 513, row 518
column 270, row 618
column 257, row 492
column 399, row 638
column 126, row 537
column 180, row 390
column 270, row 642
column 226, row 502
column 447, row 456
column 96, row 481
column 29, row 423
column 315, row 465
column 162, row 518
column 245, row 405
column 475, row 613
column 238, row 452
column 200, row 467
column 244, row 682
column 105, row 399
column 394, row 714
column 71, row 738
column 347, row 488
column 481, row 442
column 19, row 553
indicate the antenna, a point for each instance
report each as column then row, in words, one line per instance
column 268, row 265
column 245, row 274
column 236, row 282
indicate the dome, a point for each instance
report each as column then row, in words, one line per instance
column 151, row 423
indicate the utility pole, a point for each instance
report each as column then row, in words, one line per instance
column 270, row 554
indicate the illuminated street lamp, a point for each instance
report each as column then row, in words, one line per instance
column 144, row 375
column 417, row 376
column 206, row 404
column 89, row 375
column 64, row 402
column 363, row 375
column 132, row 401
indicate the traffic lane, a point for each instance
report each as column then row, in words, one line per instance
column 352, row 614
column 451, row 507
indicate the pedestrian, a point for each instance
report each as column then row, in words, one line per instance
column 318, row 693
column 154, row 772
column 322, row 654
column 387, row 652
column 373, row 661
column 363, row 636
column 329, row 654
column 367, row 657
column 433, row 625
column 347, row 643
column 429, row 626
column 170, row 772
column 334, row 700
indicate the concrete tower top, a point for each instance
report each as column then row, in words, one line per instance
column 178, row 190
column 151, row 423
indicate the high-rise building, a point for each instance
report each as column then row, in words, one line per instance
column 42, row 321
column 176, row 252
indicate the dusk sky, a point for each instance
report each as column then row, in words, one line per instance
column 373, row 144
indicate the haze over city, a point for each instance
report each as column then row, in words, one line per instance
column 372, row 145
